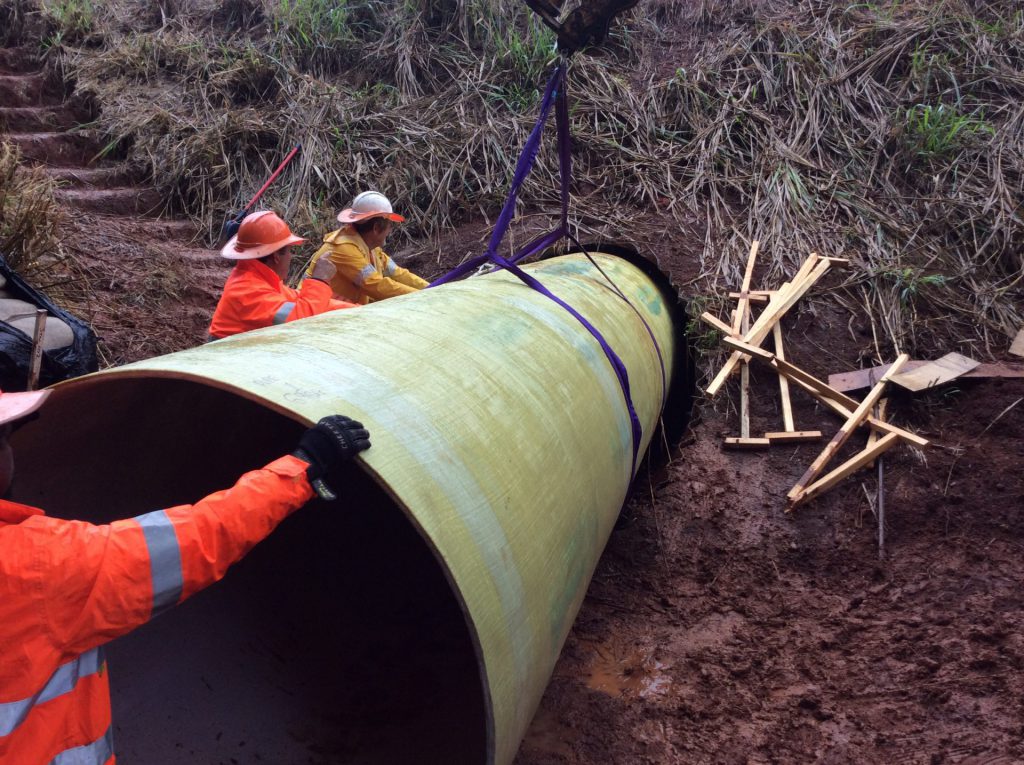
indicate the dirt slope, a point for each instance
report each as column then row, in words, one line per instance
column 134, row 260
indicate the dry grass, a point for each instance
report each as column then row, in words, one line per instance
column 895, row 135
column 30, row 218
column 891, row 134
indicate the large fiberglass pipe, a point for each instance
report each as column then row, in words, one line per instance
column 418, row 618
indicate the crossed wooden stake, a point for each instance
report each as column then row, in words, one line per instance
column 745, row 340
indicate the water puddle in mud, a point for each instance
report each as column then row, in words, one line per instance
column 627, row 672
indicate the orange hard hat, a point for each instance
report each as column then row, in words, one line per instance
column 14, row 406
column 260, row 234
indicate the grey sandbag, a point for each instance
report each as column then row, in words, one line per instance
column 69, row 346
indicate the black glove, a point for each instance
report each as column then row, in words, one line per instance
column 232, row 224
column 332, row 440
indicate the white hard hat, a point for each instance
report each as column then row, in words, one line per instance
column 369, row 204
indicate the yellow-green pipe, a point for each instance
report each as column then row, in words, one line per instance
column 499, row 430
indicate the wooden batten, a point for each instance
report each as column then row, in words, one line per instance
column 855, row 419
column 809, row 273
column 713, row 321
column 746, row 443
column 793, row 436
column 852, row 465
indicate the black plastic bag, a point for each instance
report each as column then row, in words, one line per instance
column 73, row 360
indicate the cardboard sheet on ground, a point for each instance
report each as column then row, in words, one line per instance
column 949, row 367
column 1017, row 346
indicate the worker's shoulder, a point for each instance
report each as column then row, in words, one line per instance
column 345, row 237
column 346, row 249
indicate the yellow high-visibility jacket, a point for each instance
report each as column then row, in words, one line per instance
column 363, row 276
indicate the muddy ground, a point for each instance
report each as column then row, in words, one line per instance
column 720, row 629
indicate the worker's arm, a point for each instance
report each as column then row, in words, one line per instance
column 314, row 297
column 352, row 266
column 403, row 275
column 95, row 583
column 259, row 304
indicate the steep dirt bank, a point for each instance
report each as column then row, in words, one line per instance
column 138, row 276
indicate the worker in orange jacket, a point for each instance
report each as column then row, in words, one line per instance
column 69, row 587
column 255, row 294
column 364, row 272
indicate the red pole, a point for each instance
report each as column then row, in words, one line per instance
column 277, row 172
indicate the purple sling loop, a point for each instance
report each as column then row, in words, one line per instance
column 555, row 94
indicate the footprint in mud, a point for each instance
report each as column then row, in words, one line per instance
column 626, row 671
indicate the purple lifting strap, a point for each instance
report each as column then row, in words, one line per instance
column 555, row 93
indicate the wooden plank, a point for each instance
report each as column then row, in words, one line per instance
column 861, row 378
column 806, row 267
column 1017, row 346
column 880, row 412
column 787, row 405
column 791, row 371
column 714, row 321
column 949, row 367
column 839, row 402
column 780, row 304
column 793, row 436
column 849, row 467
column 746, row 443
column 36, row 355
column 858, row 416
column 743, row 307
column 873, row 422
column 753, row 297
column 743, row 325
column 740, row 346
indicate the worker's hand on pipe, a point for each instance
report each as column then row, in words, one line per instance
column 332, row 440
column 324, row 270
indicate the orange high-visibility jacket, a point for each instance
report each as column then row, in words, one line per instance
column 254, row 297
column 363, row 276
column 68, row 587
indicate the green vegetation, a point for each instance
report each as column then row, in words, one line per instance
column 321, row 33
column 911, row 282
column 941, row 131
column 706, row 340
column 73, row 20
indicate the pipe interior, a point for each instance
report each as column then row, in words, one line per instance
column 336, row 640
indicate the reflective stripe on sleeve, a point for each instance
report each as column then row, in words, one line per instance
column 63, row 680
column 164, row 559
column 96, row 753
column 283, row 313
column 364, row 274
column 390, row 268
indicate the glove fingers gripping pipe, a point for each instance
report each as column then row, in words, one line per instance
column 418, row 617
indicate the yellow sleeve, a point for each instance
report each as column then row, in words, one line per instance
column 348, row 262
column 378, row 284
column 403, row 275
